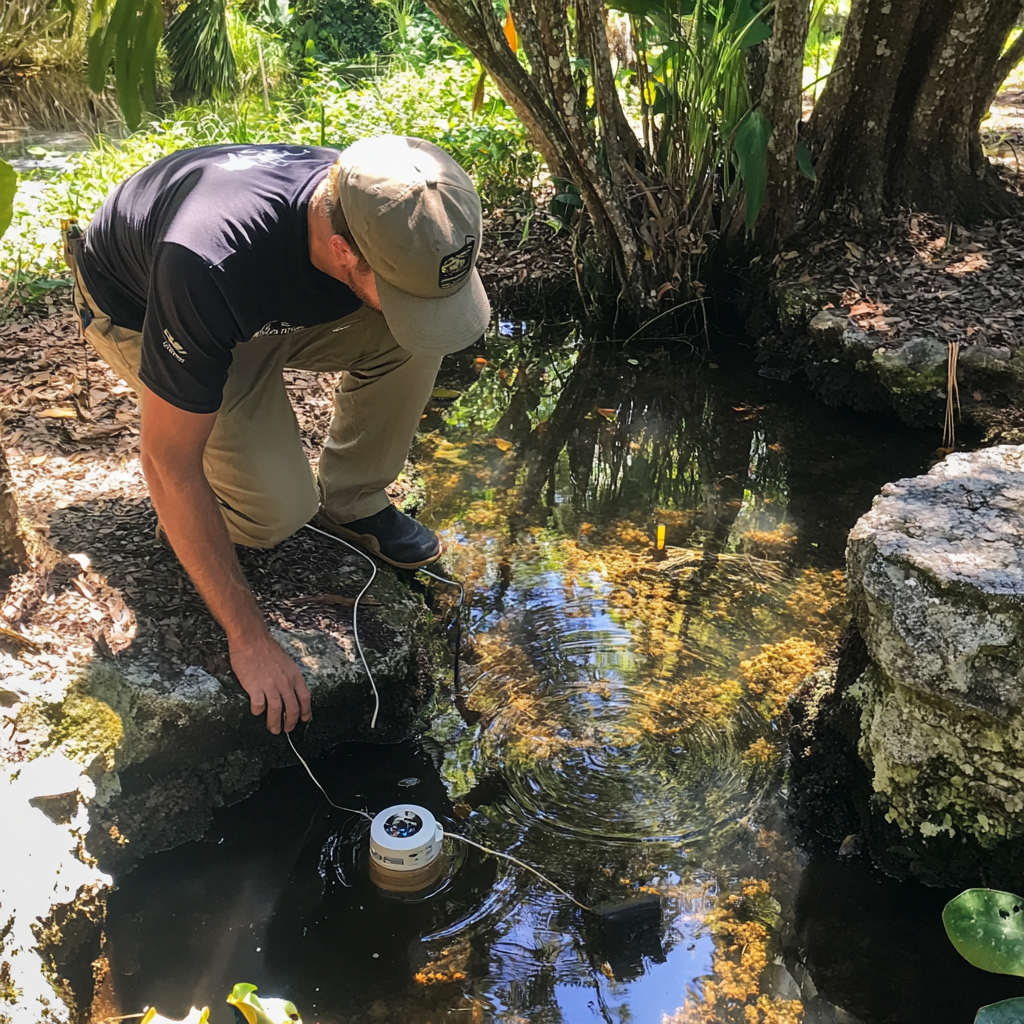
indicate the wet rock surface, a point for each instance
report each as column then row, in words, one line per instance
column 919, row 739
column 159, row 724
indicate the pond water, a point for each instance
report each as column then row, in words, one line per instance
column 620, row 725
column 29, row 150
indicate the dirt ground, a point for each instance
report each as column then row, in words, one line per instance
column 919, row 276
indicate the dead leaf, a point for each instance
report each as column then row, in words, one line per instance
column 341, row 599
column 664, row 289
column 444, row 393
column 57, row 414
column 503, row 445
column 608, row 414
column 95, row 432
column 511, row 36
column 861, row 308
column 855, row 251
column 37, row 460
column 478, row 95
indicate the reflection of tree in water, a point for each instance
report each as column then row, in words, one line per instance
column 620, row 698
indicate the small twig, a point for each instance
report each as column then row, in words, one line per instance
column 10, row 634
column 952, row 395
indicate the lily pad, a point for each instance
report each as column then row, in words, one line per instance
column 1008, row 1011
column 987, row 928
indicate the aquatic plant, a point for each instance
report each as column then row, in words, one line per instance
column 741, row 924
column 773, row 675
column 986, row 927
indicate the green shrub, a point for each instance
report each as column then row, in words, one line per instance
column 433, row 101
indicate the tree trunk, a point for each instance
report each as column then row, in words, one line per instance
column 552, row 104
column 12, row 547
column 898, row 121
column 1012, row 56
column 781, row 103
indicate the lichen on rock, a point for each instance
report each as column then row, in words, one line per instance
column 936, row 581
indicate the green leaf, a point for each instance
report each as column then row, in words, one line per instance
column 198, row 45
column 751, row 146
column 8, row 186
column 1007, row 1011
column 986, row 927
column 569, row 198
column 803, row 161
column 648, row 8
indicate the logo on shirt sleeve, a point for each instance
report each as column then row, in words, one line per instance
column 173, row 347
column 456, row 267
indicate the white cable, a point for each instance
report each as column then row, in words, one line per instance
column 373, row 721
column 444, row 579
column 449, row 835
column 355, row 616
column 522, row 864
column 316, row 781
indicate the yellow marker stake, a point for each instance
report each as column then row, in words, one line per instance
column 661, row 537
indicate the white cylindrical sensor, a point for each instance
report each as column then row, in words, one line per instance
column 406, row 842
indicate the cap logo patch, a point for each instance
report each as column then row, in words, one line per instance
column 456, row 267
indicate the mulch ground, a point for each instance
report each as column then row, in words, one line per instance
column 527, row 266
column 918, row 276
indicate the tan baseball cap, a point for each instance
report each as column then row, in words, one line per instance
column 415, row 216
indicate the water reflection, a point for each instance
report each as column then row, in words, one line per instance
column 621, row 716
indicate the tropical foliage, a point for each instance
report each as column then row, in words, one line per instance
column 8, row 187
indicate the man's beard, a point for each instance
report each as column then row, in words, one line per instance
column 359, row 285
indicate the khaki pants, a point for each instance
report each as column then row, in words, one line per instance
column 254, row 459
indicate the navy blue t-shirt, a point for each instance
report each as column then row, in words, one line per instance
column 206, row 249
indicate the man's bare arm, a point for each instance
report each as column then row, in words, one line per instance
column 172, row 459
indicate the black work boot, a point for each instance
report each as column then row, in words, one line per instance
column 391, row 535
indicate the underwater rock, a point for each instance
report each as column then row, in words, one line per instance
column 936, row 581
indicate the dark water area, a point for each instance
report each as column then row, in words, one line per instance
column 620, row 725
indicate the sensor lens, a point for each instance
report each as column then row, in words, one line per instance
column 403, row 825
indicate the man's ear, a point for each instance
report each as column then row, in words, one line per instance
column 340, row 248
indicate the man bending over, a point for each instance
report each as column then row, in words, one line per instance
column 205, row 275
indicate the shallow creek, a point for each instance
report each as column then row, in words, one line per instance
column 620, row 724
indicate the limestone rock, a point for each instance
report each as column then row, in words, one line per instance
column 162, row 747
column 936, row 581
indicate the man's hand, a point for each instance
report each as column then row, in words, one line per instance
column 272, row 680
column 172, row 459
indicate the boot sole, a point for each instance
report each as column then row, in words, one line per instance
column 369, row 542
